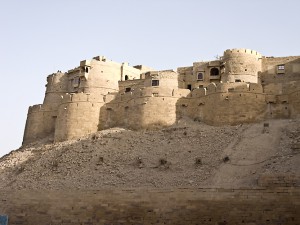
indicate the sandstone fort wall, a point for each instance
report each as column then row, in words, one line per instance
column 178, row 206
column 40, row 123
column 78, row 113
column 225, row 104
column 241, row 86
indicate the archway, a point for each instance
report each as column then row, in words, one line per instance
column 214, row 72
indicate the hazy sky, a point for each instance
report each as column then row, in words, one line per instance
column 40, row 37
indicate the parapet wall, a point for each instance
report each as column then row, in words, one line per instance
column 176, row 206
column 242, row 50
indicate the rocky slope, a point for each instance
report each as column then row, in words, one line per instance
column 189, row 154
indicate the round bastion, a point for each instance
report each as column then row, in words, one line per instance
column 241, row 65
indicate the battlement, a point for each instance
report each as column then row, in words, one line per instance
column 229, row 52
column 227, row 88
column 35, row 108
column 39, row 108
column 81, row 97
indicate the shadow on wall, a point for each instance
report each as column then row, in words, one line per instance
column 148, row 107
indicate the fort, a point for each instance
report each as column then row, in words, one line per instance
column 242, row 86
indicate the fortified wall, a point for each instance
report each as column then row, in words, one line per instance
column 274, row 201
column 241, row 86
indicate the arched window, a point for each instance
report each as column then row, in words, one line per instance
column 214, row 72
column 126, row 77
column 200, row 76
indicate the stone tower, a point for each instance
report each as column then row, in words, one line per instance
column 241, row 65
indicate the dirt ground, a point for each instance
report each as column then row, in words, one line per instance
column 190, row 154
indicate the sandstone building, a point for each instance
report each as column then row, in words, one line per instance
column 241, row 86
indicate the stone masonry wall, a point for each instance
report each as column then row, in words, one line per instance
column 224, row 104
column 269, row 70
column 40, row 123
column 148, row 107
column 294, row 102
column 173, row 207
column 78, row 115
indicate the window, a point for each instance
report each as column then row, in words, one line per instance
column 155, row 82
column 238, row 80
column 127, row 89
column 86, row 69
column 126, row 77
column 189, row 86
column 280, row 69
column 200, row 76
column 214, row 72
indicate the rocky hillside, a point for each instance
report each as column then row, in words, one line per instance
column 189, row 154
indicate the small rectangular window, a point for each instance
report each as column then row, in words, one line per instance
column 280, row 69
column 127, row 89
column 155, row 82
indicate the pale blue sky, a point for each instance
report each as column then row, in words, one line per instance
column 40, row 37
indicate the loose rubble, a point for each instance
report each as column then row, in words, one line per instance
column 188, row 154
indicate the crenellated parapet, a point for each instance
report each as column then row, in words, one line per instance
column 227, row 88
column 242, row 50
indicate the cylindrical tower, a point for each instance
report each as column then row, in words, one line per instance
column 78, row 115
column 57, row 85
column 99, row 77
column 241, row 65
